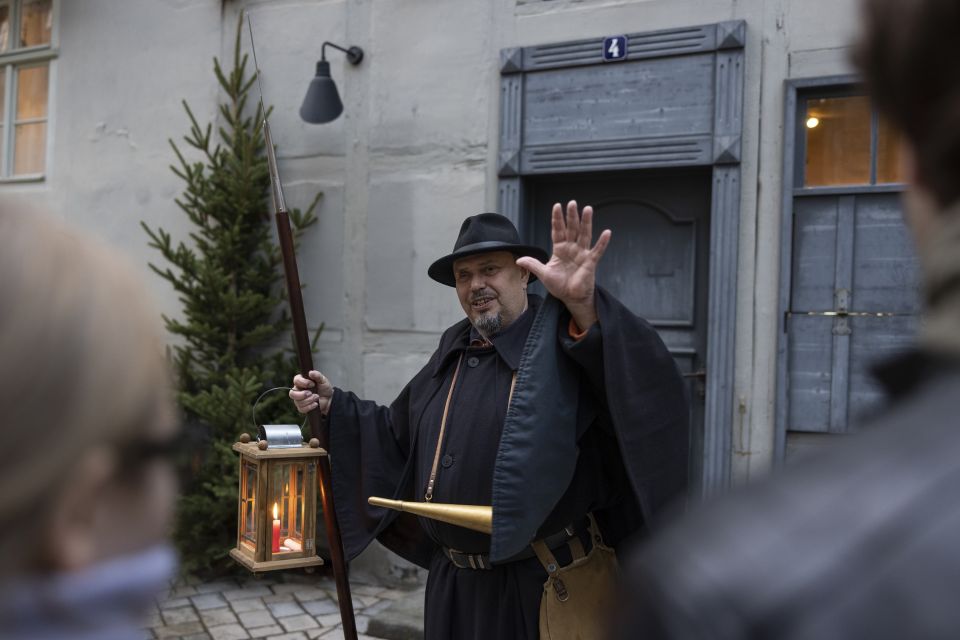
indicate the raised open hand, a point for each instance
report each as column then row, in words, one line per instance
column 570, row 274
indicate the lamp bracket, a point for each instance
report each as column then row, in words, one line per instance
column 354, row 54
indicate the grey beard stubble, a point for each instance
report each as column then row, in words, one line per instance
column 489, row 324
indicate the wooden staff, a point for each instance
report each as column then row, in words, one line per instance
column 305, row 358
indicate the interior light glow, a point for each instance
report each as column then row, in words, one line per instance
column 812, row 122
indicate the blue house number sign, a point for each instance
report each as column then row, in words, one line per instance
column 614, row 48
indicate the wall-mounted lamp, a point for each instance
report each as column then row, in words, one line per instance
column 322, row 102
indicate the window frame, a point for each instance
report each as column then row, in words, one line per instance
column 11, row 62
column 814, row 89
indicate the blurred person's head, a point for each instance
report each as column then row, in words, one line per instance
column 85, row 405
column 908, row 53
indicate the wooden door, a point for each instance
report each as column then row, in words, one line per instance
column 657, row 262
column 854, row 301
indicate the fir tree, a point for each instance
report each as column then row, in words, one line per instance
column 229, row 280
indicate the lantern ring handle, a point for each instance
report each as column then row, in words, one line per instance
column 253, row 409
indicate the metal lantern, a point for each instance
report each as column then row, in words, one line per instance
column 277, row 506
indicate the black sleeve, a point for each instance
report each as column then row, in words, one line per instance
column 587, row 352
column 647, row 401
column 369, row 453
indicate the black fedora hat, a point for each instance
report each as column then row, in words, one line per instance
column 483, row 233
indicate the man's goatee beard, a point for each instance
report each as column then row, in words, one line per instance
column 489, row 324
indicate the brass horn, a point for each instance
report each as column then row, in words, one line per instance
column 469, row 516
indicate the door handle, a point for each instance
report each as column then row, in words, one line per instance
column 700, row 375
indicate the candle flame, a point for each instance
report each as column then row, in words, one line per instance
column 275, row 516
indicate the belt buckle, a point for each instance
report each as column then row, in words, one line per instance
column 463, row 560
column 453, row 557
column 459, row 559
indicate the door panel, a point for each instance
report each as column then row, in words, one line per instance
column 854, row 301
column 657, row 261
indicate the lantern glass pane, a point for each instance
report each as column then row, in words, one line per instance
column 248, row 503
column 298, row 523
column 286, row 484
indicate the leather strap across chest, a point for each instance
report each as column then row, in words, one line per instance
column 431, row 483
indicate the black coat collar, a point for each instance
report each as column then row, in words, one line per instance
column 508, row 343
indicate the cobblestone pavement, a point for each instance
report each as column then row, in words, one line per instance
column 291, row 608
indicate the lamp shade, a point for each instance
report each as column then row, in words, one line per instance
column 322, row 102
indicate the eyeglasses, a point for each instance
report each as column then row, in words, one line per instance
column 134, row 455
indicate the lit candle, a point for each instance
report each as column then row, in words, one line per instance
column 275, row 547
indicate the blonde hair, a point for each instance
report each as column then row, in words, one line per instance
column 81, row 359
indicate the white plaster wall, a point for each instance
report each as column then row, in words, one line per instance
column 116, row 87
column 430, row 66
column 414, row 218
column 288, row 35
column 430, row 63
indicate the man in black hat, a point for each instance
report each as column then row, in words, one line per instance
column 548, row 410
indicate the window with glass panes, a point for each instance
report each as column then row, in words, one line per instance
column 26, row 51
column 850, row 276
column 846, row 142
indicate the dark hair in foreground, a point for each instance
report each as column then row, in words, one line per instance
column 908, row 54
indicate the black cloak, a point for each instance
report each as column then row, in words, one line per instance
column 645, row 405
